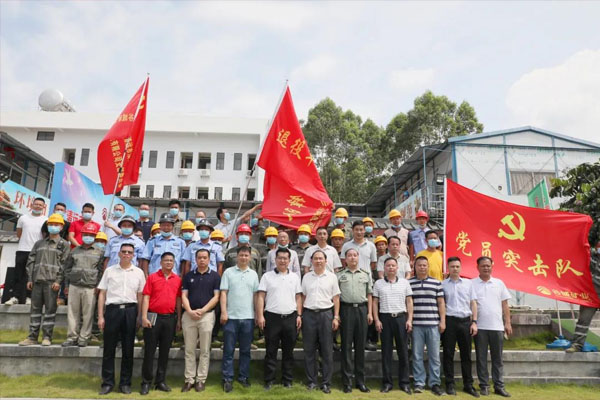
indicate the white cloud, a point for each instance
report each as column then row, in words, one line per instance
column 564, row 98
column 318, row 68
column 411, row 79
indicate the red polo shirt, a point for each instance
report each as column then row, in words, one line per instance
column 163, row 292
column 76, row 228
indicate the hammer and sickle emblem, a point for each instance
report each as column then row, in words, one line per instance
column 516, row 232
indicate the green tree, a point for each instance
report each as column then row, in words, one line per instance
column 581, row 189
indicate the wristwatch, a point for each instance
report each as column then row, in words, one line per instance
column 474, row 321
column 337, row 317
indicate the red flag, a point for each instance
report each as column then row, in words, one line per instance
column 124, row 139
column 293, row 191
column 538, row 251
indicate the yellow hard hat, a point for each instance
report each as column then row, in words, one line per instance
column 101, row 236
column 271, row 231
column 367, row 219
column 341, row 213
column 217, row 234
column 338, row 233
column 380, row 239
column 155, row 227
column 188, row 225
column 394, row 213
column 56, row 219
column 305, row 228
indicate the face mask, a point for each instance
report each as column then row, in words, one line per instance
column 217, row 241
column 282, row 246
column 228, row 216
column 63, row 214
column 395, row 226
column 157, row 235
column 100, row 245
column 244, row 239
column 271, row 240
column 433, row 242
column 368, row 229
column 36, row 212
column 87, row 216
column 144, row 213
column 126, row 231
column 254, row 222
column 166, row 234
column 88, row 239
column 174, row 211
column 339, row 221
column 187, row 235
column 422, row 226
column 198, row 220
column 204, row 234
column 53, row 229
column 303, row 238
column 118, row 214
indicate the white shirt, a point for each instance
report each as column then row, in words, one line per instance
column 333, row 259
column 367, row 253
column 31, row 231
column 392, row 295
column 294, row 265
column 281, row 290
column 110, row 233
column 320, row 290
column 490, row 296
column 403, row 264
column 458, row 296
column 227, row 230
column 122, row 285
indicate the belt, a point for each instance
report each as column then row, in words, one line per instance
column 171, row 315
column 460, row 319
column 125, row 305
column 394, row 315
column 282, row 316
column 355, row 305
column 318, row 310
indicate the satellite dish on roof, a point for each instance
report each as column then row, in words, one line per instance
column 53, row 100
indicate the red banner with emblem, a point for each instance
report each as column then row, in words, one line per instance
column 125, row 139
column 292, row 189
column 537, row 251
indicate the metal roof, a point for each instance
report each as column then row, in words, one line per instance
column 12, row 142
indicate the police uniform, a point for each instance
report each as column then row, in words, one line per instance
column 215, row 250
column 355, row 288
column 114, row 246
column 255, row 260
column 157, row 246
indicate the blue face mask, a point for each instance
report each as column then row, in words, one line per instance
column 244, row 239
column 53, row 229
column 157, row 235
column 88, row 239
column 254, row 222
column 198, row 220
column 227, row 216
column 100, row 245
column 204, row 234
column 187, row 235
column 339, row 221
column 118, row 213
column 281, row 246
column 166, row 234
column 433, row 242
column 369, row 229
column 271, row 240
column 303, row 238
column 144, row 213
column 63, row 214
column 174, row 211
column 36, row 212
column 87, row 216
column 395, row 226
column 126, row 231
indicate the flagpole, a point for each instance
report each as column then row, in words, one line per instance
column 249, row 177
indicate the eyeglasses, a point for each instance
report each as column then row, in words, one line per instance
column 126, row 251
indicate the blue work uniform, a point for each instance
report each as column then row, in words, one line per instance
column 114, row 246
column 157, row 246
column 417, row 239
column 216, row 254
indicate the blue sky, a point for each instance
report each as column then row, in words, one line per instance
column 526, row 63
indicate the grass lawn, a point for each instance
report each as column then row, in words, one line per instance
column 85, row 386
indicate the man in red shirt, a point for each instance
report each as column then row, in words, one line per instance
column 161, row 314
column 87, row 212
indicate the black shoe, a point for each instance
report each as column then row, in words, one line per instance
column 501, row 392
column 245, row 382
column 484, row 390
column 471, row 390
column 406, row 389
column 145, row 389
column 451, row 390
column 227, row 386
column 386, row 388
column 347, row 389
column 105, row 389
column 268, row 386
column 311, row 386
column 370, row 346
column 187, row 387
column 287, row 385
column 363, row 388
column 125, row 389
column 437, row 390
column 162, row 387
column 326, row 389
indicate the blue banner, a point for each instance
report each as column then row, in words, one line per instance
column 73, row 188
column 18, row 199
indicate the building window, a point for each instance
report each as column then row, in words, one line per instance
column 170, row 159
column 235, row 194
column 142, row 159
column 204, row 160
column 167, row 192
column 521, row 182
column 134, row 191
column 85, row 157
column 218, row 193
column 251, row 161
column 237, row 161
column 69, row 156
column 202, row 193
column 183, row 192
column 220, row 161
column 44, row 136
column 251, row 195
column 150, row 191
column 153, row 157
column 186, row 160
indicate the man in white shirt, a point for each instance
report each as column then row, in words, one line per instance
column 367, row 253
column 333, row 262
column 29, row 231
column 111, row 225
column 283, row 241
column 404, row 269
column 492, row 305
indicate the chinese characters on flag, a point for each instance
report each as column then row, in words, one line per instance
column 293, row 191
column 124, row 139
column 537, row 251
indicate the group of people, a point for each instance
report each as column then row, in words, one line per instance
column 199, row 278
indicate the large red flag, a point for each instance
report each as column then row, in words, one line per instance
column 124, row 139
column 537, row 251
column 293, row 191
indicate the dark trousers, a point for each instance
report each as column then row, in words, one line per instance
column 372, row 334
column 217, row 325
column 586, row 314
column 457, row 330
column 493, row 340
column 42, row 297
column 394, row 330
column 120, row 326
column 16, row 279
column 280, row 329
column 240, row 331
column 317, row 334
column 354, row 334
column 161, row 335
